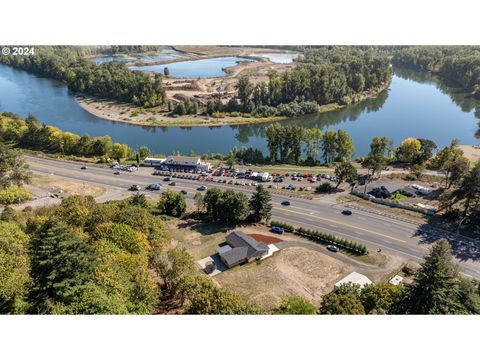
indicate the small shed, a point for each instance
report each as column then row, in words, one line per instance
column 354, row 278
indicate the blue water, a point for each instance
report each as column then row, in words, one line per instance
column 416, row 106
column 104, row 59
column 195, row 68
column 279, row 58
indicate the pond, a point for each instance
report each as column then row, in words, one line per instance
column 279, row 58
column 203, row 68
column 417, row 105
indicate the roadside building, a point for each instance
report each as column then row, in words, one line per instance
column 354, row 278
column 179, row 163
column 383, row 189
column 241, row 249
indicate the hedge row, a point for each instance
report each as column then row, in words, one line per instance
column 323, row 238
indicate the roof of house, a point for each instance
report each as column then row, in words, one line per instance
column 243, row 247
column 354, row 278
column 185, row 159
column 391, row 186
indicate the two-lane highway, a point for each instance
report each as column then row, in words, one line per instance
column 375, row 231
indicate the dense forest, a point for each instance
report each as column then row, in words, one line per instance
column 30, row 134
column 111, row 80
column 460, row 64
column 321, row 76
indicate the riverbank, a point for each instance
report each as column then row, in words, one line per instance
column 122, row 112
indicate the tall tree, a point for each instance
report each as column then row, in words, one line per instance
column 13, row 169
column 435, row 289
column 313, row 138
column 261, row 204
column 344, row 300
column 377, row 159
column 329, row 146
column 345, row 171
column 345, row 148
column 61, row 259
column 172, row 203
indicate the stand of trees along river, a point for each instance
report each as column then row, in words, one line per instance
column 110, row 80
column 460, row 64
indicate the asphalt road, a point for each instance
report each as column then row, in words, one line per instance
column 393, row 236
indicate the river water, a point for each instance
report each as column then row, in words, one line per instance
column 416, row 105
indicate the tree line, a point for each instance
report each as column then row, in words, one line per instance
column 460, row 64
column 81, row 257
column 111, row 80
column 30, row 134
column 321, row 76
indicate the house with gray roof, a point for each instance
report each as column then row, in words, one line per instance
column 241, row 249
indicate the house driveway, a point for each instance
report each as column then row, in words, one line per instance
column 219, row 265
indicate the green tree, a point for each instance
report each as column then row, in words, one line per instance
column 61, row 259
column 119, row 151
column 435, row 289
column 211, row 201
column 261, row 204
column 345, row 171
column 409, row 150
column 329, row 146
column 377, row 159
column 14, row 268
column 345, row 148
column 138, row 199
column 295, row 305
column 204, row 298
column 198, row 200
column 344, row 300
column 172, row 266
column 172, row 203
column 13, row 169
column 233, row 207
column 313, row 138
column 382, row 298
column 144, row 152
column 244, row 91
column 274, row 140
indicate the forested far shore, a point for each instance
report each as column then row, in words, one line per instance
column 110, row 80
column 460, row 64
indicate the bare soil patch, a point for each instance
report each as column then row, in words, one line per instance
column 265, row 238
column 295, row 271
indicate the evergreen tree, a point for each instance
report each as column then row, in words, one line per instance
column 261, row 204
column 435, row 289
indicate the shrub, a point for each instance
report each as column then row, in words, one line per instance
column 324, row 188
column 324, row 238
column 14, row 195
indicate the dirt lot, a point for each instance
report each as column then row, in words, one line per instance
column 42, row 186
column 291, row 271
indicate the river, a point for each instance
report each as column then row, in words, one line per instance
column 416, row 105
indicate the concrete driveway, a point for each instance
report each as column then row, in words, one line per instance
column 219, row 265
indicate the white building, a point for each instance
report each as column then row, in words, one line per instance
column 354, row 278
column 179, row 162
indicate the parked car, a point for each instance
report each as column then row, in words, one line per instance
column 166, row 179
column 285, row 203
column 347, row 212
column 172, row 183
column 83, row 167
column 135, row 188
column 153, row 187
column 277, row 230
column 332, row 248
column 116, row 173
column 202, row 188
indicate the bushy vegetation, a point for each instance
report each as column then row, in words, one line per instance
column 30, row 134
column 460, row 64
column 322, row 76
column 13, row 174
column 13, row 195
column 437, row 289
column 114, row 258
column 323, row 238
column 110, row 80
